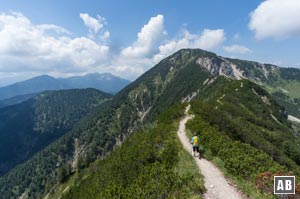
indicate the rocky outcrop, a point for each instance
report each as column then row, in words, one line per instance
column 220, row 66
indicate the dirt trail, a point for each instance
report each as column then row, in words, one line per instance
column 215, row 183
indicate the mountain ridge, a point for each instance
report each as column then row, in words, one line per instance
column 282, row 83
column 105, row 82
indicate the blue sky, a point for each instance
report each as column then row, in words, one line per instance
column 126, row 38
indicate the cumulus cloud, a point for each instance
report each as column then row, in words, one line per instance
column 135, row 59
column 276, row 19
column 44, row 48
column 207, row 40
column 147, row 39
column 105, row 36
column 237, row 49
column 150, row 48
column 93, row 24
column 129, row 69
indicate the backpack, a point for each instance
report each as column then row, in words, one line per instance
column 196, row 140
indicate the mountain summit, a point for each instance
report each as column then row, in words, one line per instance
column 282, row 83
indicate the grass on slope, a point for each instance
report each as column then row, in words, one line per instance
column 292, row 88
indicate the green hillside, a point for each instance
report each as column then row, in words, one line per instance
column 143, row 167
column 249, row 114
column 245, row 129
column 30, row 126
column 243, row 163
column 274, row 79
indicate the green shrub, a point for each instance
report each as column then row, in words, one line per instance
column 142, row 167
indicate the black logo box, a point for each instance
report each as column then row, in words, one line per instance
column 283, row 181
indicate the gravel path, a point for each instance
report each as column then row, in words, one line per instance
column 215, row 183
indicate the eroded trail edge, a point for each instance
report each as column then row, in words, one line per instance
column 215, row 183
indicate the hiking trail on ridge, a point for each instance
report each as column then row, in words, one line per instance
column 215, row 183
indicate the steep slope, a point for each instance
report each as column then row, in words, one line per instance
column 105, row 82
column 180, row 77
column 30, row 126
column 143, row 167
column 264, row 122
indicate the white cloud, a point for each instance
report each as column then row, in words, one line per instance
column 277, row 19
column 131, row 69
column 147, row 39
column 237, row 49
column 207, row 40
column 28, row 47
column 138, row 57
column 147, row 50
column 93, row 24
column 105, row 36
column 87, row 50
column 52, row 27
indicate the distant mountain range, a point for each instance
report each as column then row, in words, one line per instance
column 105, row 82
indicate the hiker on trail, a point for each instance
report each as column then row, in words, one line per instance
column 196, row 141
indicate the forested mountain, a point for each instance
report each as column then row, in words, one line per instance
column 237, row 107
column 28, row 127
column 16, row 100
column 105, row 82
